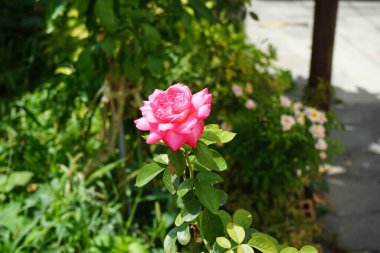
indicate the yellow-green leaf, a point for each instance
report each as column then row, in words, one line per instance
column 308, row 249
column 289, row 250
column 223, row 242
column 236, row 232
column 263, row 244
column 244, row 248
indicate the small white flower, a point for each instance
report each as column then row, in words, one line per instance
column 299, row 172
column 322, row 117
column 323, row 155
column 301, row 118
column 321, row 144
column 285, row 101
column 237, row 90
column 287, row 122
column 313, row 114
column 317, row 131
column 297, row 107
column 250, row 104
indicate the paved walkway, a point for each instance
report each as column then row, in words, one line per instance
column 355, row 182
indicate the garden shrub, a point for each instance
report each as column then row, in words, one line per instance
column 276, row 154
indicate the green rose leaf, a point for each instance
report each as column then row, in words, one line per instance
column 236, row 232
column 161, row 158
column 212, row 128
column 209, row 138
column 289, row 250
column 308, row 249
column 219, row 161
column 210, row 226
column 256, row 233
column 183, row 234
column 178, row 161
column 209, row 177
column 222, row 136
column 147, row 173
column 223, row 197
column 223, row 242
column 244, row 248
column 191, row 209
column 207, row 195
column 185, row 187
column 204, row 156
column 243, row 218
column 105, row 12
column 225, row 217
column 168, row 180
column 263, row 244
column 170, row 241
column 226, row 136
column 178, row 220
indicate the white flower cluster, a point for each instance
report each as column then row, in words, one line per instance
column 250, row 104
column 316, row 117
column 287, row 121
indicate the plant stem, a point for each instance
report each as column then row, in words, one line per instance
column 191, row 168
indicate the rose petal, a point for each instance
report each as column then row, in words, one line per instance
column 149, row 116
column 178, row 117
column 174, row 140
column 187, row 127
column 179, row 87
column 204, row 111
column 155, row 94
column 142, row 124
column 154, row 136
column 166, row 126
column 201, row 98
column 195, row 134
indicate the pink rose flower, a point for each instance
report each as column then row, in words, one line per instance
column 175, row 115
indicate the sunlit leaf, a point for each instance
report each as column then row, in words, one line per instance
column 147, row 173
column 236, row 232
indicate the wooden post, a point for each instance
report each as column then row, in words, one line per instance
column 322, row 52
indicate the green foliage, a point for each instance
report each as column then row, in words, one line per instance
column 64, row 215
column 274, row 166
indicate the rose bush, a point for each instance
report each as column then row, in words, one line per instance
column 191, row 176
column 175, row 115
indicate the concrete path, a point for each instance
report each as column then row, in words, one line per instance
column 355, row 182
